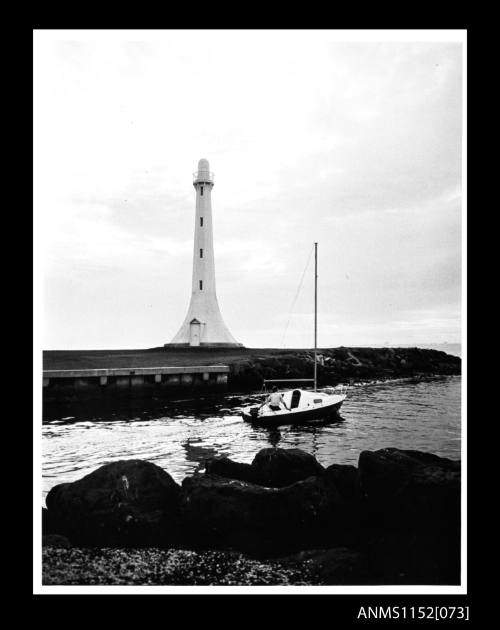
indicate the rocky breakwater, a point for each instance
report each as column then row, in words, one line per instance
column 394, row 519
column 339, row 365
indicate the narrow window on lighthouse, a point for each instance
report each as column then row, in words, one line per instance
column 201, row 285
column 201, row 253
column 201, row 221
column 201, row 188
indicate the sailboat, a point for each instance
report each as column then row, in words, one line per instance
column 300, row 406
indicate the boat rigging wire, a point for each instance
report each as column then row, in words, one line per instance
column 297, row 294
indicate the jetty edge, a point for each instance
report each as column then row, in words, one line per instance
column 393, row 519
column 166, row 371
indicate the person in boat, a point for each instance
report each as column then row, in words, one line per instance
column 275, row 400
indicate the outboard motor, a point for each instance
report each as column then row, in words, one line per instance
column 254, row 412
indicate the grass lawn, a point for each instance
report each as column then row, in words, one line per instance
column 155, row 357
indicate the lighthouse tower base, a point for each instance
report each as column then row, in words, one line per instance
column 203, row 326
column 204, row 345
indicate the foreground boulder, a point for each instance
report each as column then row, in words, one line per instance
column 226, row 467
column 412, row 502
column 279, row 467
column 232, row 514
column 346, row 479
column 351, row 516
column 50, row 524
column 408, row 490
column 124, row 503
column 271, row 467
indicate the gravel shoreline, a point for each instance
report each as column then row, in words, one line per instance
column 152, row 567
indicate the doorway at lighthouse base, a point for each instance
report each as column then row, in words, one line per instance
column 194, row 332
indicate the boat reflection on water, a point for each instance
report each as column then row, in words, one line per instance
column 277, row 435
column 273, row 436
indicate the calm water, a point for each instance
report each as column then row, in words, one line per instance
column 422, row 415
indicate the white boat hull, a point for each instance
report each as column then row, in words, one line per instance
column 325, row 407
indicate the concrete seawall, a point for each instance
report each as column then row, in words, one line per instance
column 59, row 385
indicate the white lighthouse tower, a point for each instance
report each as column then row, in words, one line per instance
column 203, row 325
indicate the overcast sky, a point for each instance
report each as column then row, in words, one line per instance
column 356, row 145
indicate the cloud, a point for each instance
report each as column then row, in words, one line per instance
column 354, row 145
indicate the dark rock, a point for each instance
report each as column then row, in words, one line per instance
column 225, row 467
column 410, row 489
column 339, row 565
column 231, row 514
column 50, row 524
column 351, row 514
column 271, row 467
column 52, row 499
column 278, row 467
column 346, row 479
column 129, row 502
column 412, row 507
column 56, row 540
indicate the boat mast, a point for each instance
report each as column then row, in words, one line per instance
column 315, row 310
